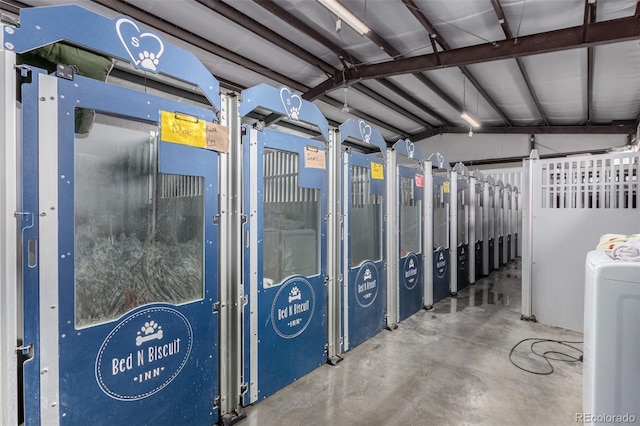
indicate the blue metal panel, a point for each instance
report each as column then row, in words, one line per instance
column 439, row 162
column 148, row 386
column 441, row 264
column 121, row 38
column 291, row 315
column 463, row 266
column 491, row 255
column 479, row 252
column 285, row 101
column 407, row 149
column 363, row 132
column 411, row 279
column 366, row 281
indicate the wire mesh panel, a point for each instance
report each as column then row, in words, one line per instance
column 291, row 220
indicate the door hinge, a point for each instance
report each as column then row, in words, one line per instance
column 216, row 219
column 216, row 401
column 217, row 306
column 244, row 300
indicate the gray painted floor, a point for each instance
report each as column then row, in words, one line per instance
column 448, row 366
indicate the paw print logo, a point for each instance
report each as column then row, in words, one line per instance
column 294, row 294
column 149, row 327
column 367, row 274
column 148, row 60
column 294, row 113
column 149, row 331
column 292, row 103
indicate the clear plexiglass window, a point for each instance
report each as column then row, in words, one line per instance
column 138, row 233
column 365, row 218
column 410, row 222
column 291, row 241
column 440, row 217
column 463, row 216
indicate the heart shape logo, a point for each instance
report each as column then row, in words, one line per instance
column 365, row 131
column 144, row 49
column 410, row 148
column 292, row 103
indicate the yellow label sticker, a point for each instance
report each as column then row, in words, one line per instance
column 183, row 129
column 445, row 187
column 314, row 158
column 217, row 137
column 377, row 171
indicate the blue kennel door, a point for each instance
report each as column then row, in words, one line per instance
column 441, row 200
column 462, row 244
column 120, row 248
column 363, row 190
column 285, row 243
column 411, row 205
column 133, row 267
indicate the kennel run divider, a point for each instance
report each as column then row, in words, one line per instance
column 568, row 203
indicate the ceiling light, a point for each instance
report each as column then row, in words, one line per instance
column 349, row 18
column 466, row 117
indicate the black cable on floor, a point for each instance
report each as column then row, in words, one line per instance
column 546, row 355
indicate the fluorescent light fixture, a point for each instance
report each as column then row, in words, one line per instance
column 466, row 117
column 349, row 18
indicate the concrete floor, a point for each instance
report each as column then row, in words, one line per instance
column 448, row 366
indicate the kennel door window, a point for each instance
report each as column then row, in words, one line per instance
column 139, row 238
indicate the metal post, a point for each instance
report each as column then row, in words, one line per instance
column 8, row 240
column 453, row 231
column 393, row 206
column 496, row 227
column 527, row 234
column 485, row 229
column 346, row 207
column 230, row 273
column 427, row 226
column 472, row 230
column 333, row 247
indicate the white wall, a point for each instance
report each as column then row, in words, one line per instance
column 461, row 147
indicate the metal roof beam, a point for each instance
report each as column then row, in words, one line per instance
column 342, row 54
column 202, row 43
column 502, row 20
column 621, row 127
column 271, row 36
column 589, row 18
column 435, row 35
column 612, row 31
